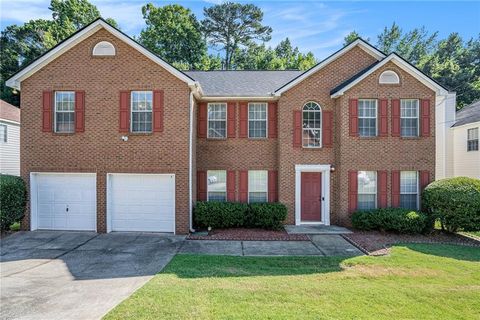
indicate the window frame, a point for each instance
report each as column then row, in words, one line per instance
column 417, row 198
column 469, row 140
column 141, row 111
column 226, row 120
column 266, row 120
column 368, row 193
column 376, row 117
column 208, row 186
column 386, row 73
column 266, row 186
column 320, row 145
column 55, row 111
column 418, row 117
column 4, row 127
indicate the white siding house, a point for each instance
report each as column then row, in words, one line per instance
column 465, row 143
column 9, row 139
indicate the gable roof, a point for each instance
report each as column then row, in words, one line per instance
column 77, row 37
column 9, row 112
column 377, row 54
column 400, row 62
column 242, row 83
column 468, row 114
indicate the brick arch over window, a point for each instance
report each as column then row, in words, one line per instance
column 311, row 125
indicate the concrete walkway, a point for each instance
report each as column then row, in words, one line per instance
column 319, row 245
column 76, row 275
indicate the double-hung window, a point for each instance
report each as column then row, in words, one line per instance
column 217, row 120
column 312, row 125
column 3, row 133
column 257, row 186
column 367, row 117
column 257, row 120
column 216, row 185
column 409, row 190
column 64, row 111
column 472, row 139
column 409, row 117
column 141, row 104
column 367, row 190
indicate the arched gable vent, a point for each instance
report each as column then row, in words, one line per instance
column 104, row 48
column 389, row 77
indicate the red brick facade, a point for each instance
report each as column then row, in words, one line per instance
column 99, row 149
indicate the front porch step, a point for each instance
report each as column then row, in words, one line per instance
column 316, row 229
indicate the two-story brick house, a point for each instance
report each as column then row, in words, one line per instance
column 115, row 139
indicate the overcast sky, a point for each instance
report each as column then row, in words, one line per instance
column 311, row 25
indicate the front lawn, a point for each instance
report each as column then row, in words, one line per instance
column 416, row 281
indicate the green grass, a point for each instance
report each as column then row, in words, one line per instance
column 416, row 281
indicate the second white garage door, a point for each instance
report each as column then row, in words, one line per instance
column 141, row 202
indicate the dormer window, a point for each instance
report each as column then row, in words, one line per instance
column 104, row 48
column 389, row 77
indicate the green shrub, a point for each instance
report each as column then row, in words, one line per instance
column 390, row 219
column 15, row 226
column 220, row 214
column 236, row 215
column 455, row 202
column 13, row 197
column 266, row 215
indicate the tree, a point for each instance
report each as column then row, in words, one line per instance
column 20, row 45
column 413, row 45
column 234, row 25
column 457, row 65
column 174, row 33
column 349, row 38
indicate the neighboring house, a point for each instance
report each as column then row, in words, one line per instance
column 464, row 139
column 116, row 139
column 9, row 139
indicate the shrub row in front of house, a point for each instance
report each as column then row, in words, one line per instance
column 13, row 197
column 239, row 215
column 391, row 219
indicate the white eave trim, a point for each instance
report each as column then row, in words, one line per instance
column 359, row 42
column 15, row 81
column 238, row 98
column 404, row 66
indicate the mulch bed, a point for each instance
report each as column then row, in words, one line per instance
column 242, row 234
column 378, row 243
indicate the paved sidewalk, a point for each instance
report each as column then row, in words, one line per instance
column 319, row 245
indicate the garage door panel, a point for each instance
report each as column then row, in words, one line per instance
column 57, row 192
column 142, row 202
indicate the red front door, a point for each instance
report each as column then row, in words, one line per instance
column 311, row 196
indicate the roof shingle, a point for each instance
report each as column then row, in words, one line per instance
column 468, row 114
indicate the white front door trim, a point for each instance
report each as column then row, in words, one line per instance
column 325, row 170
column 34, row 195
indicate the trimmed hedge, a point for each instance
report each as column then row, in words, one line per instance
column 455, row 202
column 235, row 215
column 391, row 219
column 13, row 197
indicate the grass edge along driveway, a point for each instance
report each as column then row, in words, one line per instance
column 416, row 281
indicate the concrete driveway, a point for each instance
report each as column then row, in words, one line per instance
column 76, row 275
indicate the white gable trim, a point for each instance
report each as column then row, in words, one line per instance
column 359, row 42
column 398, row 61
column 15, row 81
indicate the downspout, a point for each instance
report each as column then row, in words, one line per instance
column 190, row 164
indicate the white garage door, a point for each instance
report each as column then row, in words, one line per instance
column 64, row 201
column 142, row 202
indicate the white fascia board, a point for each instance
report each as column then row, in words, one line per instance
column 359, row 42
column 404, row 66
column 238, row 98
column 15, row 81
